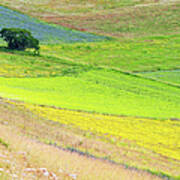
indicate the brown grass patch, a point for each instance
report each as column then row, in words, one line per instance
column 25, row 158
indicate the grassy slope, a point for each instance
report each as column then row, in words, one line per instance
column 24, row 153
column 42, row 61
column 167, row 76
column 45, row 66
column 126, row 22
column 151, row 54
column 122, row 94
column 147, row 54
column 44, row 32
column 103, row 17
column 25, row 64
column 77, row 84
column 145, row 133
column 71, row 132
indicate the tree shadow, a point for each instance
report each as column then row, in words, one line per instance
column 18, row 52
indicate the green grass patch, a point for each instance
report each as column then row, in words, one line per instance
column 166, row 76
column 147, row 54
column 2, row 142
column 102, row 91
column 25, row 64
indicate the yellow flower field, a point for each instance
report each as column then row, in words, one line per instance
column 160, row 136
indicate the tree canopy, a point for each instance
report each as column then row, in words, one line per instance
column 19, row 39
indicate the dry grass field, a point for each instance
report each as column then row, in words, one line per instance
column 24, row 153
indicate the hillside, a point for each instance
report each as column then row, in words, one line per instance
column 166, row 76
column 44, row 32
column 68, row 84
column 26, row 150
column 122, row 94
column 136, row 55
column 117, row 18
column 105, row 96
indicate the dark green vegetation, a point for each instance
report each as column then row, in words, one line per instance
column 3, row 143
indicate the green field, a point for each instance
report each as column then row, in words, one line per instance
column 161, row 53
column 166, row 76
column 70, row 77
column 25, row 64
column 146, row 54
column 102, row 91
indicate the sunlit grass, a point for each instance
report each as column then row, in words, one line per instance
column 149, row 54
column 99, row 90
column 24, row 64
column 167, row 76
column 71, row 79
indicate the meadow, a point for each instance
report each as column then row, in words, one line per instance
column 166, row 76
column 121, row 19
column 148, row 133
column 25, row 64
column 110, row 99
column 44, row 32
column 24, row 153
column 100, row 91
column 158, row 53
column 135, row 55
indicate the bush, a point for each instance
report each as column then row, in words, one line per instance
column 19, row 39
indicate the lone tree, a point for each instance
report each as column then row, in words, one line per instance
column 19, row 39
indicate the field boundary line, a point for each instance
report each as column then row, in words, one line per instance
column 119, row 70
